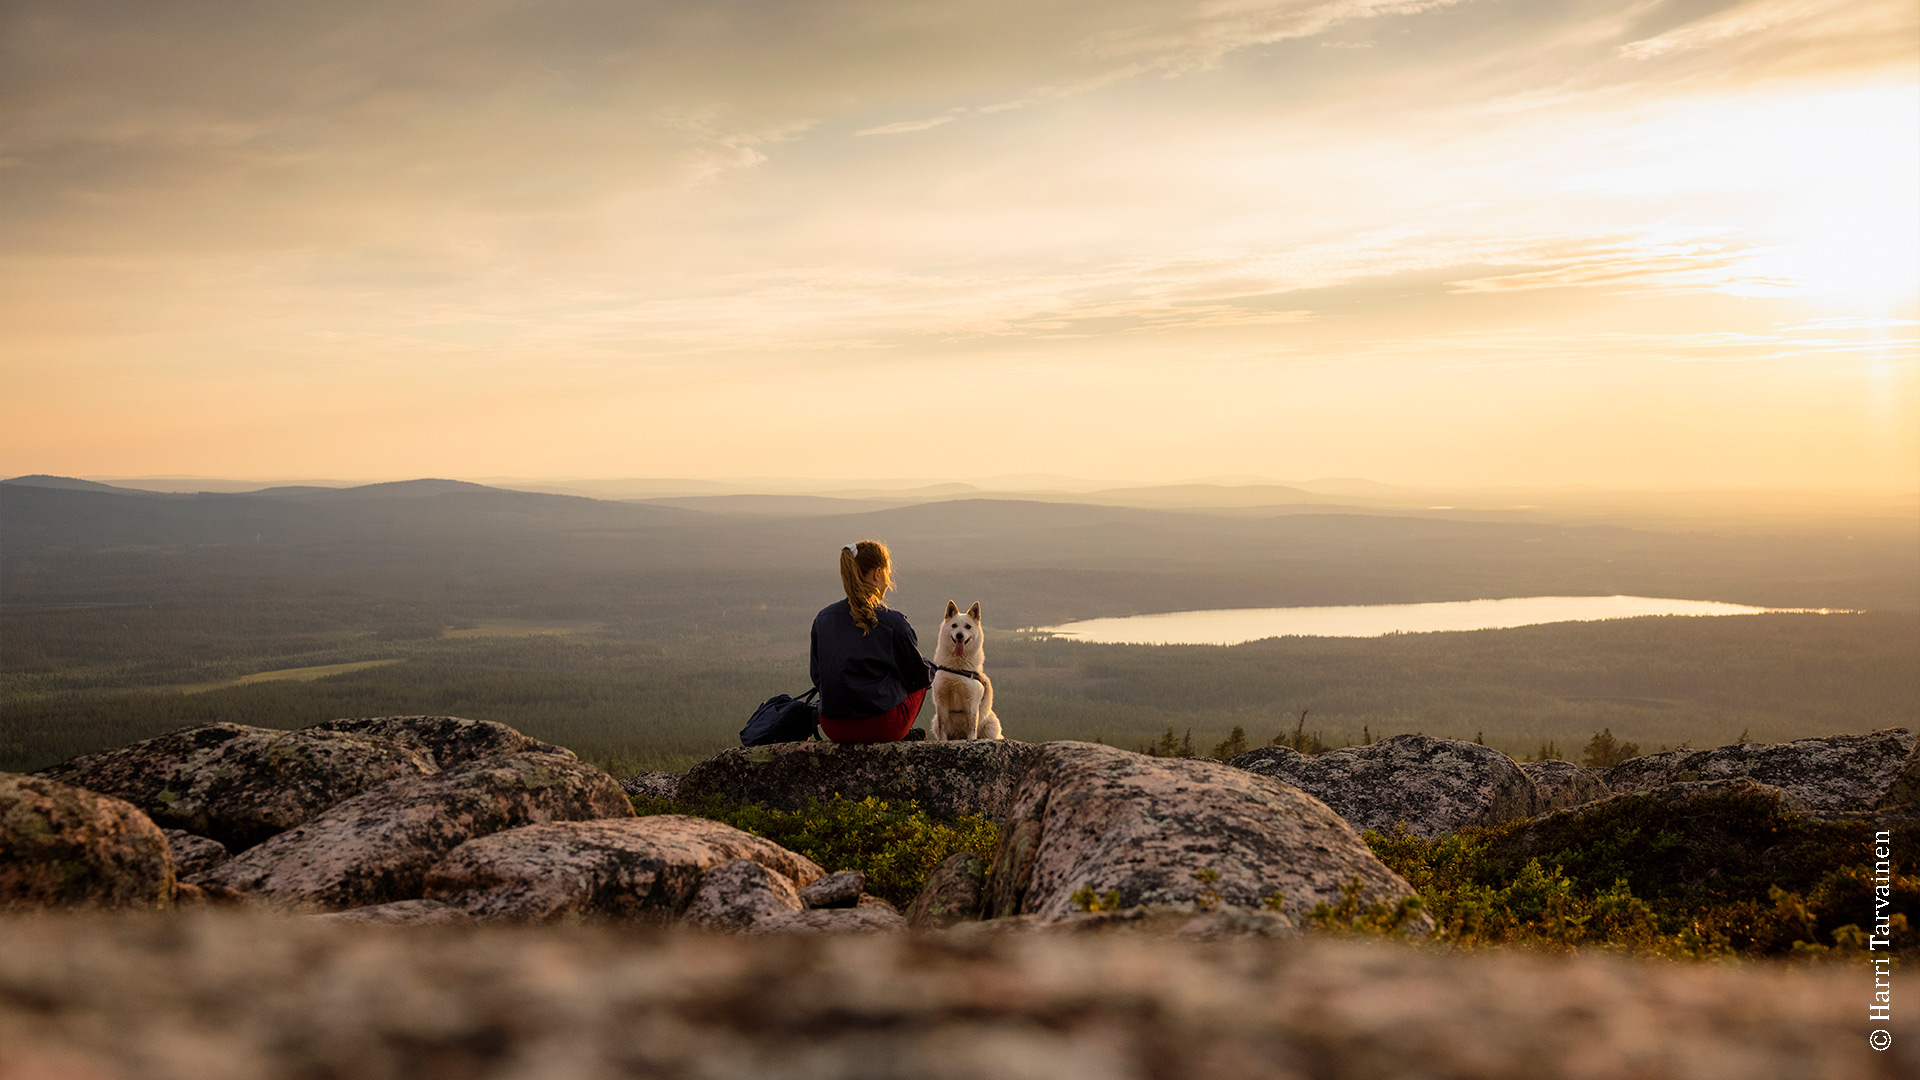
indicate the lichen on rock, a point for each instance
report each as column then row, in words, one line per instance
column 651, row 785
column 733, row 895
column 65, row 846
column 193, row 855
column 378, row 846
column 1167, row 830
column 1838, row 772
column 448, row 741
column 1435, row 786
column 954, row 893
column 646, row 868
column 840, row 889
column 1563, row 784
column 238, row 784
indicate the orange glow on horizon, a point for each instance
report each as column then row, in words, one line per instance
column 1433, row 243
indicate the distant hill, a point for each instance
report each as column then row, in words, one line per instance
column 1357, row 486
column 1212, row 495
column 68, row 483
column 393, row 489
column 776, row 505
column 1034, row 559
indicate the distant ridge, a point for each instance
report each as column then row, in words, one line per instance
column 1353, row 485
column 68, row 483
column 1193, row 496
column 392, row 489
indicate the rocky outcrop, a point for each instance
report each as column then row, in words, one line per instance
column 377, row 847
column 948, row 780
column 231, row 996
column 737, row 893
column 448, row 741
column 1562, row 784
column 954, row 893
column 647, row 868
column 1435, row 786
column 1840, row 772
column 240, row 785
column 1169, row 830
column 194, row 854
column 651, row 785
column 1904, row 792
column 840, row 889
column 63, row 846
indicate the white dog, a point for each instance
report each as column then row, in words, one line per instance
column 962, row 696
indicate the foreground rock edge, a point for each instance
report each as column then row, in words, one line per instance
column 276, row 998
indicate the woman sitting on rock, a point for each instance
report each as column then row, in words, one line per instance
column 865, row 658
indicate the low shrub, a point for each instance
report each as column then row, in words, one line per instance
column 1736, row 873
column 894, row 843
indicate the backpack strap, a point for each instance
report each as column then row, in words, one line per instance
column 814, row 735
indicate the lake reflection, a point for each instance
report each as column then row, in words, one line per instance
column 1232, row 626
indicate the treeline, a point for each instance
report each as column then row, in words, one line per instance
column 1656, row 681
column 636, row 701
column 629, row 706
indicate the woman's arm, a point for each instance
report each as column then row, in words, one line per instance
column 914, row 673
column 813, row 655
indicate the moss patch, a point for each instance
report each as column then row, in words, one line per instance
column 893, row 842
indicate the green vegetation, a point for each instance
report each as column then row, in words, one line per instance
column 1170, row 747
column 1233, row 745
column 1735, row 874
column 1091, row 902
column 895, row 844
column 1302, row 741
column 1604, row 751
column 641, row 635
column 1355, row 914
column 298, row 674
column 630, row 707
column 634, row 701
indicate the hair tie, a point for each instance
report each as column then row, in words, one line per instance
column 853, row 551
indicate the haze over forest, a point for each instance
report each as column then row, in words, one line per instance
column 642, row 632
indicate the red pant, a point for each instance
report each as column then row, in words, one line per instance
column 889, row 726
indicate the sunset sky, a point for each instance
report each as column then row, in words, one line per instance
column 1424, row 241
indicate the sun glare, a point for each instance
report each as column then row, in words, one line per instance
column 1818, row 190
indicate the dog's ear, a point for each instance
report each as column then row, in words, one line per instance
column 975, row 611
column 952, row 610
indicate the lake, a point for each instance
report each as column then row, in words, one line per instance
column 1231, row 626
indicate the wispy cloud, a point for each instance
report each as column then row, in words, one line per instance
column 1184, row 42
column 1795, row 18
column 905, row 126
column 1368, row 205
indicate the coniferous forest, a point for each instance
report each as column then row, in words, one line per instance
column 642, row 636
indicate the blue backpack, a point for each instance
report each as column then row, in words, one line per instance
column 783, row 718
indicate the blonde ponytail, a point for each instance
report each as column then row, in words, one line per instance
column 858, row 563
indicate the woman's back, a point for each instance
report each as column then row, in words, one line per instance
column 864, row 656
column 864, row 674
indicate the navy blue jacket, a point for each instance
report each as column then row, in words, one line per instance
column 864, row 675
